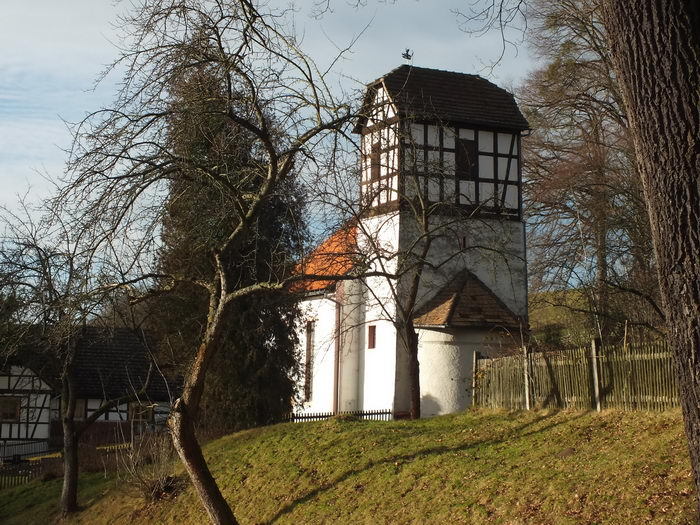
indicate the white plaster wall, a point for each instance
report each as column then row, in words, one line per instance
column 379, row 236
column 445, row 371
column 500, row 264
column 321, row 310
column 446, row 361
column 351, row 293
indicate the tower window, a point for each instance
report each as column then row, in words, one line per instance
column 371, row 336
column 374, row 159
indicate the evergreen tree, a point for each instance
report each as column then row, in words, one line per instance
column 252, row 378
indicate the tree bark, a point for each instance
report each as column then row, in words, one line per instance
column 182, row 423
column 656, row 52
column 187, row 446
column 413, row 370
column 69, row 492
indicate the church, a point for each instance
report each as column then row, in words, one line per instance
column 437, row 243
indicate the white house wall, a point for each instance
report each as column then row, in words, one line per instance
column 118, row 413
column 35, row 404
column 379, row 363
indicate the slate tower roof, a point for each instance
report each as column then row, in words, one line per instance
column 451, row 97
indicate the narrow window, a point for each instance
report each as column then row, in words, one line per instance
column 374, row 158
column 9, row 409
column 466, row 157
column 309, row 361
column 371, row 336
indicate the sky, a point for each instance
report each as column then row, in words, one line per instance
column 53, row 51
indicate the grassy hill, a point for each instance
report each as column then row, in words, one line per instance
column 478, row 467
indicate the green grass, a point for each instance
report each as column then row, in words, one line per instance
column 36, row 502
column 478, row 467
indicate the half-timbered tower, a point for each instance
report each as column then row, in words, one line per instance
column 440, row 194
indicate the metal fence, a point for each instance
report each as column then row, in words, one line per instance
column 365, row 415
column 630, row 377
column 17, row 450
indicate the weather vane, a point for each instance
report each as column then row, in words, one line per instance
column 408, row 54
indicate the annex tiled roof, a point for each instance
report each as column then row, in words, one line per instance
column 466, row 302
column 435, row 94
column 335, row 256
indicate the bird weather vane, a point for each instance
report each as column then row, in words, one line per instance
column 408, row 54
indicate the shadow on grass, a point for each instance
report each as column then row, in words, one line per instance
column 516, row 432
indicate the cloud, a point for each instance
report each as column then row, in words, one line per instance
column 53, row 50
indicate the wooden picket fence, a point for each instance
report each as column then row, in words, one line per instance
column 12, row 475
column 631, row 377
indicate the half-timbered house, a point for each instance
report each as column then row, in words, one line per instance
column 450, row 144
column 108, row 364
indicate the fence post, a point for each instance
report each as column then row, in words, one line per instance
column 594, row 367
column 526, row 377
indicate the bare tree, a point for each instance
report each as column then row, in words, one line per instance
column 123, row 160
column 56, row 277
column 588, row 225
column 655, row 53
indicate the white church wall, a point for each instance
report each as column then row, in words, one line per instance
column 379, row 363
column 321, row 311
column 352, row 327
column 446, row 360
column 500, row 264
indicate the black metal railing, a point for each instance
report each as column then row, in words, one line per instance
column 365, row 415
column 18, row 450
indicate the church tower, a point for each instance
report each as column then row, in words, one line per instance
column 441, row 164
column 439, row 244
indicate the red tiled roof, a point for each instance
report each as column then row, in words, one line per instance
column 449, row 96
column 335, row 256
column 466, row 302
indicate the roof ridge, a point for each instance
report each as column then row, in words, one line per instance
column 421, row 68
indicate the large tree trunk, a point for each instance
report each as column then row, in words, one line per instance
column 413, row 370
column 187, row 446
column 656, row 51
column 69, row 493
column 182, row 424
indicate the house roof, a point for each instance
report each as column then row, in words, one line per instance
column 335, row 256
column 111, row 362
column 466, row 302
column 108, row 363
column 434, row 94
